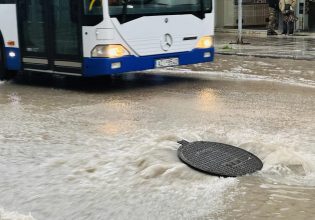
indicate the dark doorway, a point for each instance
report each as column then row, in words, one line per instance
column 312, row 16
column 50, row 34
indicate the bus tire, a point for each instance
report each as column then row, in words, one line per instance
column 4, row 73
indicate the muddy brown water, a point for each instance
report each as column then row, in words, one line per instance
column 109, row 151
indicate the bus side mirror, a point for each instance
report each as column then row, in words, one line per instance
column 74, row 11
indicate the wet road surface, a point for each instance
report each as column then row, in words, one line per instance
column 106, row 149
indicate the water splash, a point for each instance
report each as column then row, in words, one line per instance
column 6, row 215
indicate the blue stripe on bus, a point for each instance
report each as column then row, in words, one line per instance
column 102, row 66
column 13, row 63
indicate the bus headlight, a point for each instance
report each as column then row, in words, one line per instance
column 12, row 54
column 109, row 51
column 205, row 42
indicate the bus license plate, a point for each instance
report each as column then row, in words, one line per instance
column 166, row 62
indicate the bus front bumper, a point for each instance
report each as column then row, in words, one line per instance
column 106, row 66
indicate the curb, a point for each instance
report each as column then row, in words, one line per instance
column 277, row 56
column 245, row 32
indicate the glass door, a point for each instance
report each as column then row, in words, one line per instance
column 33, row 38
column 50, row 34
column 312, row 16
column 67, row 34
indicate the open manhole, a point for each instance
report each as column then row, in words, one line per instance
column 218, row 159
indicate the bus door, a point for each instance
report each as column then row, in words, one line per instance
column 50, row 35
column 312, row 15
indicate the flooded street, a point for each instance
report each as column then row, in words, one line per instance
column 101, row 149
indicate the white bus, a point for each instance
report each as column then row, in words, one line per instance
column 101, row 37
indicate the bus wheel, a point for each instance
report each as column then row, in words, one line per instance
column 4, row 73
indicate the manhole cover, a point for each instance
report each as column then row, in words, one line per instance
column 218, row 159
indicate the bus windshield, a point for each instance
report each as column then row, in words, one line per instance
column 147, row 7
column 157, row 7
column 93, row 7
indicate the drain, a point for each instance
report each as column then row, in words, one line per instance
column 218, row 159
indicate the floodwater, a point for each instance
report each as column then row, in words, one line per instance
column 106, row 149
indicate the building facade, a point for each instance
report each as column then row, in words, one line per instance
column 255, row 14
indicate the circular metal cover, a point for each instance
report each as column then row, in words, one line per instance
column 218, row 159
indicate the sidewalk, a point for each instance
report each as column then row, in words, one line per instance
column 299, row 47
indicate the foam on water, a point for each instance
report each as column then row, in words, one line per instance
column 284, row 162
column 144, row 180
column 287, row 179
column 6, row 215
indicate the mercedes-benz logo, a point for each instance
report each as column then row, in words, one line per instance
column 166, row 42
